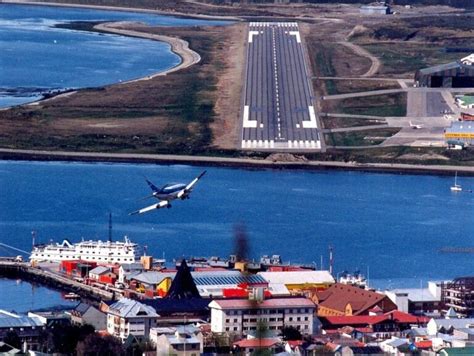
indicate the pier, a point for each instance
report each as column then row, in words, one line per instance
column 10, row 267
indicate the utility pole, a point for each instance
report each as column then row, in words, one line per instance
column 331, row 261
column 110, row 227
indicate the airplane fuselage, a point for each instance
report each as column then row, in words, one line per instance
column 169, row 191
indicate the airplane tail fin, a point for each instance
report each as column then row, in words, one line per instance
column 152, row 186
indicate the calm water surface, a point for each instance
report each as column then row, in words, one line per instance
column 37, row 57
column 392, row 225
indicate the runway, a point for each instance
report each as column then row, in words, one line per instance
column 277, row 105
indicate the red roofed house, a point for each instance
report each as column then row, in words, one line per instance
column 341, row 299
column 381, row 326
column 249, row 346
column 241, row 316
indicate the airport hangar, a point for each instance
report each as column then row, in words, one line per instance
column 459, row 74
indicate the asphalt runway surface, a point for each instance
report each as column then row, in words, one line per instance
column 278, row 110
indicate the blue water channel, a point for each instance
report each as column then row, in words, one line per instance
column 37, row 58
column 391, row 225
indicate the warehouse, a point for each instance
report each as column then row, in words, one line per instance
column 459, row 74
column 460, row 131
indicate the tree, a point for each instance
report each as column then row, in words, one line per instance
column 12, row 339
column 96, row 345
column 291, row 333
column 65, row 339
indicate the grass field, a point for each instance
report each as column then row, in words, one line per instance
column 406, row 58
column 357, row 85
column 360, row 138
column 338, row 122
column 374, row 105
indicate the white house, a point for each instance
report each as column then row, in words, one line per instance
column 129, row 317
column 180, row 340
column 444, row 326
column 240, row 316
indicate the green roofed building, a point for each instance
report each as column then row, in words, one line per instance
column 454, row 351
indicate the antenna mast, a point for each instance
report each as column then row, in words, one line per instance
column 110, row 227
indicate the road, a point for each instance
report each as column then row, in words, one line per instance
column 277, row 104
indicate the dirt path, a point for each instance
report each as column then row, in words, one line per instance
column 374, row 68
column 178, row 46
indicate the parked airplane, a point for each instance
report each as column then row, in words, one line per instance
column 415, row 126
column 167, row 193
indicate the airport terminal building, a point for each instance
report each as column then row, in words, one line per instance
column 460, row 131
column 459, row 74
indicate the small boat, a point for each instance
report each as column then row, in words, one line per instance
column 72, row 296
column 456, row 187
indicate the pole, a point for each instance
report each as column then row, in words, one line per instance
column 331, row 261
column 110, row 227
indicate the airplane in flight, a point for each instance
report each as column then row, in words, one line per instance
column 167, row 193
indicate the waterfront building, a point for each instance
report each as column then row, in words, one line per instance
column 208, row 283
column 298, row 281
column 341, row 299
column 459, row 294
column 240, row 316
column 28, row 328
column 179, row 340
column 418, row 301
column 97, row 272
column 128, row 270
column 130, row 317
column 182, row 304
column 154, row 282
column 87, row 314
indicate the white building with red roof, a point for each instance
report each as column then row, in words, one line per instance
column 240, row 316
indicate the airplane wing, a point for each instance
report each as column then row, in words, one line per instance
column 190, row 186
column 159, row 205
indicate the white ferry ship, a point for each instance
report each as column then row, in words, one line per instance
column 92, row 251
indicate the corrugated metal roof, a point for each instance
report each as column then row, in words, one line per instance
column 204, row 279
column 12, row 320
column 442, row 67
column 99, row 270
column 298, row 277
column 130, row 308
column 461, row 127
column 227, row 278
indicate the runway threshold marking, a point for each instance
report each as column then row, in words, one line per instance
column 311, row 124
column 297, row 34
column 247, row 122
column 251, row 34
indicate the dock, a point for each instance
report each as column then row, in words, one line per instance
column 28, row 272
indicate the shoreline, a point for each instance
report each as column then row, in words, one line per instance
column 124, row 9
column 250, row 163
column 178, row 46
